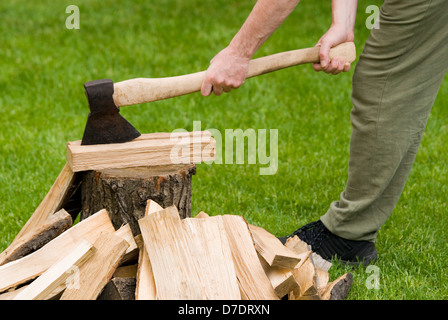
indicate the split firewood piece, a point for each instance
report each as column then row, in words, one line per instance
column 306, row 273
column 322, row 279
column 282, row 279
column 339, row 288
column 306, row 277
column 253, row 281
column 36, row 263
column 146, row 288
column 53, row 202
column 53, row 226
column 272, row 250
column 320, row 262
column 321, row 266
column 201, row 215
column 56, row 278
column 170, row 256
column 297, row 245
column 213, row 260
column 96, row 272
column 122, row 285
column 131, row 253
column 11, row 294
column 147, row 150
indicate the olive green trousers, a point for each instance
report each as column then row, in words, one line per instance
column 395, row 84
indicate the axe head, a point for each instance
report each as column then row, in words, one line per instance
column 105, row 124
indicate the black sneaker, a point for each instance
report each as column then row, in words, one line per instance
column 330, row 246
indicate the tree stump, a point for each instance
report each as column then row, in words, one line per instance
column 125, row 192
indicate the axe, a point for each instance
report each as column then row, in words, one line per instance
column 105, row 124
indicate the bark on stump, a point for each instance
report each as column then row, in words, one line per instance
column 125, row 192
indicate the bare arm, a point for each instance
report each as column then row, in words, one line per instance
column 229, row 68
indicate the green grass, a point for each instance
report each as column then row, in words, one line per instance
column 42, row 106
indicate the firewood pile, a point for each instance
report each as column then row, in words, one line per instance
column 218, row 257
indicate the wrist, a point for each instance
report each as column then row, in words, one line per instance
column 346, row 31
column 240, row 49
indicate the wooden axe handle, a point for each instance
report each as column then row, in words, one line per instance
column 141, row 90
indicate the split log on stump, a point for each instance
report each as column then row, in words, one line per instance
column 125, row 192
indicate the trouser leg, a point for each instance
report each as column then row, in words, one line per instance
column 394, row 87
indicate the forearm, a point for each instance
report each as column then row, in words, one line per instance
column 344, row 13
column 265, row 18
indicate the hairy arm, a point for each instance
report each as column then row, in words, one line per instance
column 228, row 69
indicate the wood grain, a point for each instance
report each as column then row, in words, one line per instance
column 173, row 148
column 96, row 272
column 36, row 263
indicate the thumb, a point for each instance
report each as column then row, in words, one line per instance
column 324, row 53
column 207, row 87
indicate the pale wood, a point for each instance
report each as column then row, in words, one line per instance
column 32, row 241
column 202, row 214
column 305, row 276
column 52, row 203
column 151, row 207
column 131, row 253
column 235, row 291
column 297, row 245
column 96, row 272
column 53, row 281
column 141, row 90
column 10, row 295
column 146, row 287
column 36, row 263
column 212, row 257
column 304, row 256
column 321, row 266
column 319, row 262
column 174, row 148
column 282, row 279
column 253, row 281
column 171, row 260
column 322, row 279
column 272, row 250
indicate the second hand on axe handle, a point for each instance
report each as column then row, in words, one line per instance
column 141, row 90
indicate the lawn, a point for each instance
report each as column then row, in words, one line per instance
column 42, row 104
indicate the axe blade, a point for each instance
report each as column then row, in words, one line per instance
column 105, row 124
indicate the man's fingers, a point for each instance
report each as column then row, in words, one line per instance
column 347, row 67
column 206, row 88
column 217, row 90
